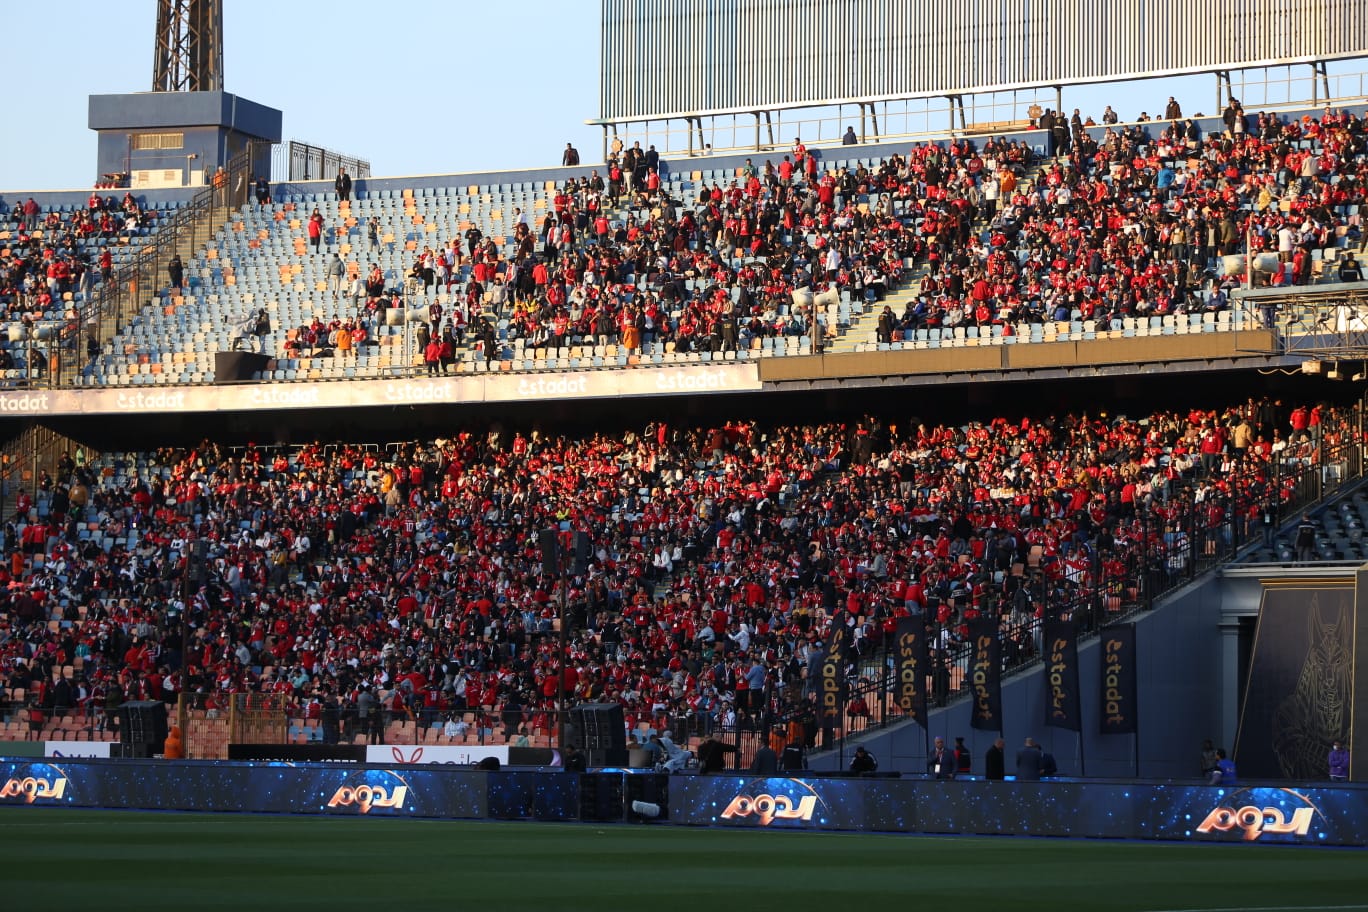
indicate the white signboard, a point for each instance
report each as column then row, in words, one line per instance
column 76, row 748
column 405, row 754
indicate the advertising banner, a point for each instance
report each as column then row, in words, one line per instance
column 910, row 651
column 1298, row 696
column 768, row 803
column 282, row 788
column 498, row 387
column 1061, row 675
column 985, row 674
column 833, row 670
column 1259, row 815
column 1119, row 698
column 68, row 749
column 405, row 754
column 1255, row 815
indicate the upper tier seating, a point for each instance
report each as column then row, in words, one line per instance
column 1127, row 236
column 52, row 260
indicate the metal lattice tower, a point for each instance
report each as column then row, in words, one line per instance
column 189, row 52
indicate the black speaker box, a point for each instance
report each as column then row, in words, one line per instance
column 599, row 758
column 601, row 727
column 122, row 751
column 583, row 553
column 550, row 551
column 601, row 796
column 143, row 723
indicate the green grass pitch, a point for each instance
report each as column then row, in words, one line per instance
column 111, row 860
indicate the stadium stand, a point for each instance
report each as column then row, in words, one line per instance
column 413, row 570
column 52, row 258
column 1131, row 232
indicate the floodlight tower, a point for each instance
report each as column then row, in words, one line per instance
column 189, row 46
column 181, row 132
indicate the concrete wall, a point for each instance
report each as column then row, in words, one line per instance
column 1180, row 702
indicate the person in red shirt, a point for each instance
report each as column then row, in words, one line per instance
column 315, row 230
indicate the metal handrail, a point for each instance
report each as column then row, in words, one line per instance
column 118, row 301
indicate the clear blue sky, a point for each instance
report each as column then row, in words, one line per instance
column 413, row 86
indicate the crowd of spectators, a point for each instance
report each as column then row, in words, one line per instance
column 708, row 273
column 1133, row 223
column 411, row 580
column 50, row 263
column 48, row 254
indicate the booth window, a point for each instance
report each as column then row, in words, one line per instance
column 143, row 142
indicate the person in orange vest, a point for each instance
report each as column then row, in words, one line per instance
column 174, row 748
column 220, row 182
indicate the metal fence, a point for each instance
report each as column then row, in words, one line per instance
column 302, row 161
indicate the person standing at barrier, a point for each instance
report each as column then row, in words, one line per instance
column 964, row 760
column 765, row 762
column 941, row 763
column 1209, row 758
column 220, row 184
column 1306, row 539
column 712, row 755
column 863, row 763
column 1224, row 774
column 1028, row 762
column 1349, row 270
column 331, row 718
column 343, row 185
column 572, row 761
column 1268, row 517
column 368, row 714
column 1338, row 762
column 995, row 762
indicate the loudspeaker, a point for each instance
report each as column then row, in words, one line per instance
column 142, row 726
column 601, row 757
column 601, row 728
column 583, row 553
column 601, row 796
column 197, row 565
column 550, row 551
column 121, row 751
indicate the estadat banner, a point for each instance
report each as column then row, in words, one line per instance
column 464, row 388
